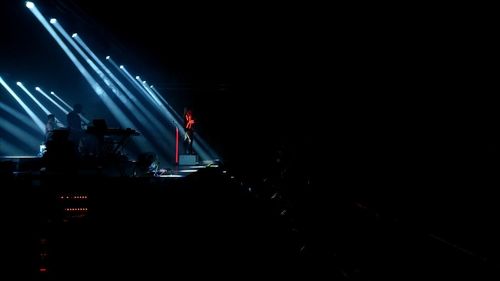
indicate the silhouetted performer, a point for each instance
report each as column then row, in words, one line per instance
column 75, row 125
column 50, row 126
column 189, row 130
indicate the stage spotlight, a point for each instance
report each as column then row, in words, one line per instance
column 30, row 5
column 137, row 77
column 141, row 108
column 53, row 20
column 45, row 110
column 33, row 116
column 37, row 88
column 108, row 57
column 74, row 35
column 52, row 101
column 62, row 101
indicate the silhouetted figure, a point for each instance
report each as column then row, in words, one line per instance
column 75, row 126
column 50, row 126
column 189, row 130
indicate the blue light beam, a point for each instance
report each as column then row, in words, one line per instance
column 61, row 100
column 45, row 110
column 19, row 116
column 51, row 100
column 31, row 114
column 95, row 86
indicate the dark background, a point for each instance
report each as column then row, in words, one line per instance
column 358, row 78
column 397, row 103
column 358, row 84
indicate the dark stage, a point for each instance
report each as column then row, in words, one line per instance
column 223, row 222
